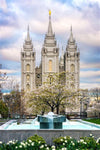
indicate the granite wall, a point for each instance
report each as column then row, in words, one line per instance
column 48, row 135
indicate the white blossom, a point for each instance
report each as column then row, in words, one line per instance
column 73, row 144
column 90, row 134
column 84, row 142
column 64, row 148
column 0, row 142
column 20, row 146
column 65, row 141
column 41, row 146
column 32, row 144
column 97, row 141
column 53, row 146
column 30, row 141
column 81, row 140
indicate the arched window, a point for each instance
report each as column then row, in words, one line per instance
column 72, row 68
column 28, row 78
column 27, row 67
column 50, row 65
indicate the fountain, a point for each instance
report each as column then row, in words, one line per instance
column 51, row 121
column 48, row 126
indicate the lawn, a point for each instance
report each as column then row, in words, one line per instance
column 97, row 121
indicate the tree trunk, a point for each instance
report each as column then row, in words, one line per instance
column 52, row 109
column 43, row 111
column 57, row 109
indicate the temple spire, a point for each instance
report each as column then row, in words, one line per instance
column 28, row 35
column 62, row 52
column 71, row 28
column 71, row 39
column 50, row 32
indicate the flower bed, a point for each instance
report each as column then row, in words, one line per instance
column 62, row 143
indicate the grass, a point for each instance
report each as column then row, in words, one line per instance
column 97, row 121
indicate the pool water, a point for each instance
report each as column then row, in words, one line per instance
column 80, row 125
column 34, row 124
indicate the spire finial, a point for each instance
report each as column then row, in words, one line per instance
column 49, row 12
column 50, row 26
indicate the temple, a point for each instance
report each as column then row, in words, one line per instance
column 69, row 61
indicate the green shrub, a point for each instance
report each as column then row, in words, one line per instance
column 62, row 143
column 25, row 145
column 85, row 143
column 3, row 109
column 88, row 142
column 66, row 141
column 37, row 139
column 11, row 145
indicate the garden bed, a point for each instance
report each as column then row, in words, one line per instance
column 61, row 143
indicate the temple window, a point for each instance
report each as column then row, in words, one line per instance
column 28, row 78
column 72, row 68
column 27, row 67
column 50, row 65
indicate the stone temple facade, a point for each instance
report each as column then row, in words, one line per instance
column 69, row 61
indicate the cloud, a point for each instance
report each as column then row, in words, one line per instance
column 89, row 79
column 89, row 85
column 83, row 26
column 89, row 65
column 6, row 32
column 90, row 74
column 3, row 5
column 13, row 51
column 11, row 54
column 85, row 2
column 7, row 71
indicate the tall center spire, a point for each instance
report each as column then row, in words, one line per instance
column 71, row 39
column 28, row 35
column 50, row 32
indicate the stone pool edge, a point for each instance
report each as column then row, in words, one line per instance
column 48, row 135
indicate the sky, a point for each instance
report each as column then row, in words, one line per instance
column 83, row 15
